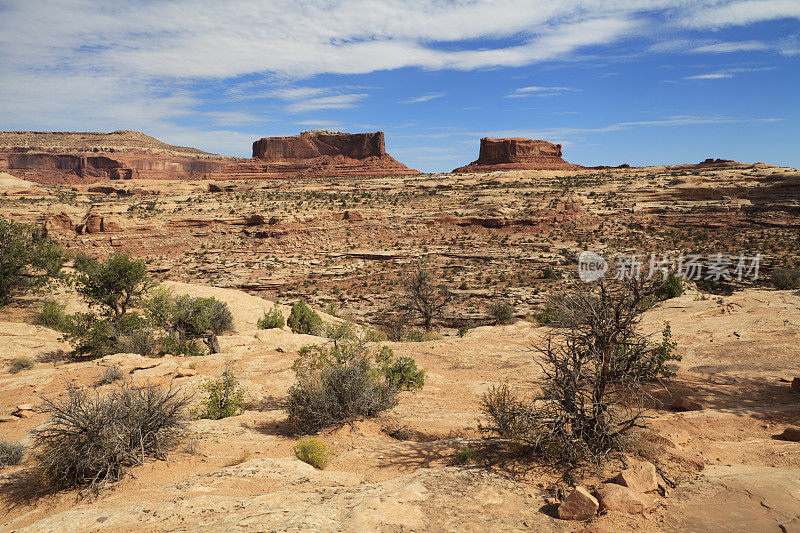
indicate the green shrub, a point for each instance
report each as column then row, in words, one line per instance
column 786, row 278
column 224, row 397
column 53, row 316
column 466, row 456
column 463, row 330
column 272, row 319
column 303, row 320
column 93, row 336
column 28, row 259
column 342, row 381
column 502, row 312
column 19, row 364
column 11, row 453
column 668, row 288
column 401, row 373
column 92, row 440
column 175, row 345
column 313, row 452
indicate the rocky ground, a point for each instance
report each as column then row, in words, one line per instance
column 502, row 236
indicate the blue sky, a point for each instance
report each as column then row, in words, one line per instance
column 634, row 81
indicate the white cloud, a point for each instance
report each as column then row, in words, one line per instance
column 423, row 98
column 524, row 92
column 740, row 13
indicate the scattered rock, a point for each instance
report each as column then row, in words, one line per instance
column 255, row 220
column 641, row 477
column 682, row 403
column 615, row 497
column 687, row 458
column 579, row 505
column 25, row 410
column 791, row 434
column 353, row 216
column 675, row 436
column 7, row 418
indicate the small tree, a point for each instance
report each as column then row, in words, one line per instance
column 425, row 297
column 188, row 318
column 113, row 285
column 28, row 258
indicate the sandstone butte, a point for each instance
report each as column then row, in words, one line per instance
column 323, row 152
column 517, row 154
column 65, row 157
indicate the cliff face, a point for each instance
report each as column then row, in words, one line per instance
column 309, row 145
column 89, row 156
column 517, row 154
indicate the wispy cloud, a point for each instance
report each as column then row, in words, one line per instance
column 524, row 92
column 723, row 74
column 341, row 101
column 726, row 48
column 423, row 98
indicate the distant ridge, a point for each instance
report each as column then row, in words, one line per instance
column 95, row 142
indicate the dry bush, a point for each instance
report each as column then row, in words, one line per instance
column 92, row 440
column 595, row 366
column 425, row 297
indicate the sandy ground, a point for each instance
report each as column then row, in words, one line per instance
column 240, row 473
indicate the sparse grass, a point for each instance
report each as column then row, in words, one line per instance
column 313, row 452
column 18, row 364
column 243, row 457
column 11, row 453
column 466, row 456
column 110, row 375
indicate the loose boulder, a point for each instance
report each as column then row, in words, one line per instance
column 615, row 497
column 791, row 434
column 579, row 505
column 641, row 477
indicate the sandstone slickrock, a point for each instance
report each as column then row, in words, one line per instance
column 517, row 154
column 640, row 477
column 579, row 505
column 615, row 497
